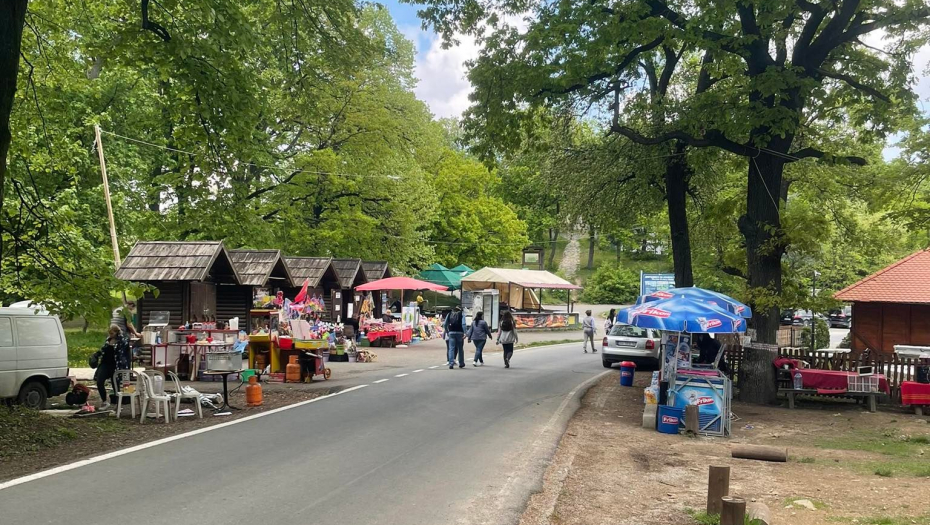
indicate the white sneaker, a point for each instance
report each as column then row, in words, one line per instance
column 105, row 406
column 475, row 363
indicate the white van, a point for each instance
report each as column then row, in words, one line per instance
column 33, row 356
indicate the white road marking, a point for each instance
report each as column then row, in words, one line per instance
column 381, row 381
column 169, row 439
column 401, row 375
column 420, row 370
column 432, row 367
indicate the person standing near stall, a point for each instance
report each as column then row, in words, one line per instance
column 106, row 363
column 479, row 333
column 420, row 302
column 589, row 329
column 507, row 336
column 609, row 323
column 454, row 326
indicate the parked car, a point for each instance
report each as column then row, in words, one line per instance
column 33, row 356
column 803, row 317
column 631, row 343
column 840, row 317
column 787, row 317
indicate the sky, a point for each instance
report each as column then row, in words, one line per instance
column 442, row 75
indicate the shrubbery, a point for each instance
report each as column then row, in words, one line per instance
column 612, row 284
column 823, row 335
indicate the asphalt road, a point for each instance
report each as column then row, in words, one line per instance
column 432, row 446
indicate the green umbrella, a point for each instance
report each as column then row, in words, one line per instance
column 439, row 274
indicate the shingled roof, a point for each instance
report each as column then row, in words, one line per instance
column 255, row 267
column 350, row 272
column 375, row 270
column 906, row 281
column 150, row 261
column 313, row 269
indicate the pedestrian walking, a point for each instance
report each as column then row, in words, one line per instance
column 507, row 336
column 609, row 323
column 587, row 324
column 478, row 333
column 454, row 326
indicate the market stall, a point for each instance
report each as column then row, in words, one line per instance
column 383, row 333
column 684, row 381
column 518, row 290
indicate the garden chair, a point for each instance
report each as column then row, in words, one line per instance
column 180, row 394
column 151, row 396
column 119, row 378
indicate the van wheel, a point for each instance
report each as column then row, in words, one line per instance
column 606, row 363
column 33, row 395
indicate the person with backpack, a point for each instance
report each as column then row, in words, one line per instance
column 479, row 333
column 106, row 359
column 507, row 336
column 454, row 328
column 587, row 325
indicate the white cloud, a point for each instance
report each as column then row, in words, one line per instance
column 442, row 73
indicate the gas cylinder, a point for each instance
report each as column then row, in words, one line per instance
column 253, row 393
column 292, row 371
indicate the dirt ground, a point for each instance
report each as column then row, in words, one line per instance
column 45, row 441
column 850, row 465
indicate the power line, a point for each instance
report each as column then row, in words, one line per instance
column 242, row 163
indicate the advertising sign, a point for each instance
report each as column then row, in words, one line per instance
column 677, row 353
column 655, row 282
column 540, row 321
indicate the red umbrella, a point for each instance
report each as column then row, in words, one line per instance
column 302, row 296
column 400, row 283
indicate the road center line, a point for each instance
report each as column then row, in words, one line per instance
column 420, row 370
column 401, row 375
column 432, row 367
column 381, row 381
column 169, row 439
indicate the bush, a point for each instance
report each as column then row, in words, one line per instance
column 846, row 342
column 612, row 284
column 823, row 335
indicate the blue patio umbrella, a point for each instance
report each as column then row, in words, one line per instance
column 718, row 299
column 682, row 314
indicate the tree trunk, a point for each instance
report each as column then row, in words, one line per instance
column 591, row 241
column 12, row 19
column 761, row 229
column 677, row 173
column 553, row 244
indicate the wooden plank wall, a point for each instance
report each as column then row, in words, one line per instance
column 880, row 326
column 170, row 298
column 233, row 301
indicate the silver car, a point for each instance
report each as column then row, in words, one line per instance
column 630, row 343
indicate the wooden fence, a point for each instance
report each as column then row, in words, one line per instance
column 894, row 368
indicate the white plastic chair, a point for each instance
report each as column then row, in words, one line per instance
column 118, row 379
column 180, row 394
column 151, row 396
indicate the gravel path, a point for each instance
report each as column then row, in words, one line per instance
column 571, row 257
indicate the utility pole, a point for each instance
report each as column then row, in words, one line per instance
column 813, row 314
column 106, row 196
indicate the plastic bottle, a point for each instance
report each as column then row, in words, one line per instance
column 159, row 386
column 798, row 380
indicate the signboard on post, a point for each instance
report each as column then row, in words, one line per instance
column 655, row 282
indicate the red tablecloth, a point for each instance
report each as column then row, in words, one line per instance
column 401, row 336
column 835, row 380
column 915, row 393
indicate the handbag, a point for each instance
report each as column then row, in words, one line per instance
column 94, row 360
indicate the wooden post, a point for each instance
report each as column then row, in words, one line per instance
column 759, row 512
column 760, row 452
column 106, row 196
column 692, row 422
column 734, row 511
column 718, row 486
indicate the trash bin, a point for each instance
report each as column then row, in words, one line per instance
column 669, row 419
column 627, row 368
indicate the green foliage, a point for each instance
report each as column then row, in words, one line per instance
column 822, row 335
column 27, row 431
column 81, row 345
column 612, row 284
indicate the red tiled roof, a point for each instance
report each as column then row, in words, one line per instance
column 906, row 281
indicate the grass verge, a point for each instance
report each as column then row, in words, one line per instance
column 547, row 343
column 24, row 431
column 905, row 455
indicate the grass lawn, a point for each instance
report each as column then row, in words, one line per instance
column 904, row 455
column 82, row 344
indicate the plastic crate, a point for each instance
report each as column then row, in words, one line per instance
column 867, row 383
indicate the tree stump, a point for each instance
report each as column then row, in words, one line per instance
column 733, row 512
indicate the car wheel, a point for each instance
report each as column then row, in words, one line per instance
column 33, row 395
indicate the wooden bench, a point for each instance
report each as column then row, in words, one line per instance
column 871, row 397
